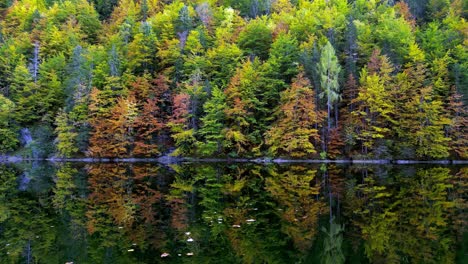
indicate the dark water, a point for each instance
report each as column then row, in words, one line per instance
column 218, row 213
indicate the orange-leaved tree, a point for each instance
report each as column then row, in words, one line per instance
column 295, row 132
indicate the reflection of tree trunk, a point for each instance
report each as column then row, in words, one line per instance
column 28, row 253
column 329, row 196
column 193, row 202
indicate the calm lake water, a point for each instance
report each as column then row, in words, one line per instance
column 232, row 213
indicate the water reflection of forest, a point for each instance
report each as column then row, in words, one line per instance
column 217, row 213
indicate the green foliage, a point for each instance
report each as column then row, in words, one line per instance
column 213, row 124
column 256, row 39
column 8, row 135
column 284, row 56
column 66, row 137
column 66, row 64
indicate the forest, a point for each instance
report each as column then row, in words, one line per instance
column 371, row 79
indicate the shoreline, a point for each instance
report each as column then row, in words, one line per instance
column 175, row 160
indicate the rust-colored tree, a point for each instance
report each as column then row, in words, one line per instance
column 295, row 133
column 112, row 134
column 458, row 130
column 179, row 123
column 150, row 123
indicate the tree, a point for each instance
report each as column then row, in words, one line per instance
column 245, row 112
column 212, row 126
column 374, row 111
column 112, row 135
column 295, row 132
column 179, row 124
column 329, row 69
column 150, row 125
column 420, row 115
column 8, row 135
column 223, row 61
column 66, row 136
column 255, row 39
column 459, row 125
column 284, row 57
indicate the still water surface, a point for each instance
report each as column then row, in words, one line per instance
column 232, row 213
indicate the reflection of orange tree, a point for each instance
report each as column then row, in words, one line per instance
column 296, row 191
column 459, row 197
column 120, row 200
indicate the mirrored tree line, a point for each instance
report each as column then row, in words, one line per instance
column 121, row 213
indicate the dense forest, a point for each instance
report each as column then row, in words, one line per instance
column 249, row 78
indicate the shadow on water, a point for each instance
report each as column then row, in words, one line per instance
column 232, row 213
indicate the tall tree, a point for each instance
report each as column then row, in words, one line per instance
column 211, row 130
column 329, row 69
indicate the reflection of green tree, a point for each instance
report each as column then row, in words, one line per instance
column 332, row 246
column 28, row 232
column 405, row 221
column 459, row 196
column 260, row 241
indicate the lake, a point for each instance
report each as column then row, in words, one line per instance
column 232, row 213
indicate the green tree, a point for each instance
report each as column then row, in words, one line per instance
column 66, row 136
column 329, row 69
column 213, row 124
column 256, row 39
column 284, row 57
column 8, row 134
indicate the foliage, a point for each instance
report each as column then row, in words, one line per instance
column 216, row 78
